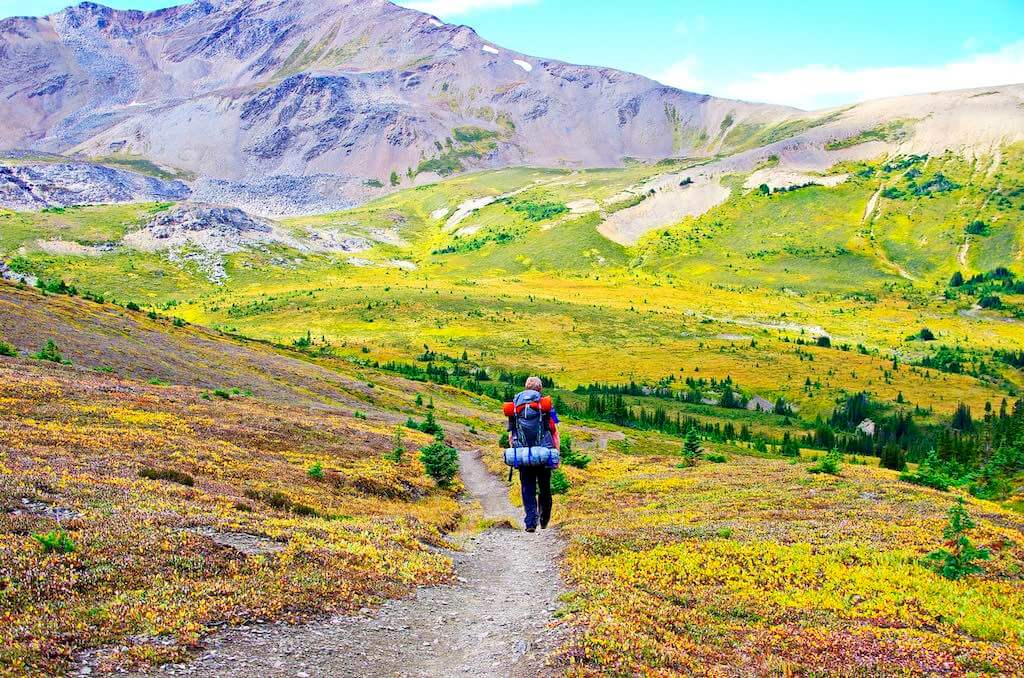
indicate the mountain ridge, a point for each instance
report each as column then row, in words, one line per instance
column 354, row 90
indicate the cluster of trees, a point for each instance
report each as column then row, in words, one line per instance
column 978, row 453
column 438, row 368
column 963, row 450
column 987, row 286
column 723, row 393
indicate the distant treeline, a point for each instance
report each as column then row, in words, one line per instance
column 979, row 452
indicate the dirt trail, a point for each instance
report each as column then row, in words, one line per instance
column 869, row 218
column 494, row 621
column 961, row 255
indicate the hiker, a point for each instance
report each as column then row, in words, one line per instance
column 532, row 421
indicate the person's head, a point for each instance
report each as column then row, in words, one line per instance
column 534, row 384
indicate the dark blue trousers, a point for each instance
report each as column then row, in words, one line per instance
column 536, row 479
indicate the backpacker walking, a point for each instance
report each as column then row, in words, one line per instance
column 533, row 435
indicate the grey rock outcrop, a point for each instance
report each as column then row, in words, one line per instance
column 65, row 184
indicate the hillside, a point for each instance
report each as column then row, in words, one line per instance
column 328, row 105
column 269, row 269
column 195, row 511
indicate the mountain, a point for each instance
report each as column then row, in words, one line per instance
column 259, row 100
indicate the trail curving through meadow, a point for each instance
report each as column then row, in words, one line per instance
column 494, row 620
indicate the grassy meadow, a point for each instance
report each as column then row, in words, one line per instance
column 272, row 405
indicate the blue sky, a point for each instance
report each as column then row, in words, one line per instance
column 806, row 54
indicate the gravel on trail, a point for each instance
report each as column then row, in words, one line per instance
column 495, row 619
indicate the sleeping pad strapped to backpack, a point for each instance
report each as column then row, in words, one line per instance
column 530, row 423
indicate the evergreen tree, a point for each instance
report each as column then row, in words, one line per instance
column 728, row 398
column 790, row 447
column 962, row 420
column 441, row 463
column 893, row 457
column 782, row 407
column 430, row 424
column 691, row 446
column 958, row 561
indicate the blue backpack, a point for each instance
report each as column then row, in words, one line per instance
column 529, row 422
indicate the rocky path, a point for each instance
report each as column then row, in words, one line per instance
column 493, row 621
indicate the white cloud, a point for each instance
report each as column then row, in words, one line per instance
column 818, row 86
column 682, row 74
column 457, row 7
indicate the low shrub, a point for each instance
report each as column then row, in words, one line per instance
column 978, row 227
column 316, row 471
column 281, row 501
column 717, row 458
column 929, row 473
column 55, row 541
column 559, row 483
column 830, row 464
column 51, row 353
column 8, row 350
column 572, row 458
column 168, row 474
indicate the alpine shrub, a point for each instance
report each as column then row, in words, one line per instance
column 49, row 352
column 316, row 471
column 441, row 463
column 958, row 560
column 503, row 441
column 573, row 458
column 830, row 464
column 717, row 458
column 168, row 474
column 8, row 350
column 55, row 541
column 559, row 483
column 929, row 473
column 281, row 501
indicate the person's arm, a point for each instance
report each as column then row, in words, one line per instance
column 553, row 426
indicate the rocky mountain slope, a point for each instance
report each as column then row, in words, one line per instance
column 328, row 98
column 296, row 107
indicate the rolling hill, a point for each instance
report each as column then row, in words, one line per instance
column 259, row 261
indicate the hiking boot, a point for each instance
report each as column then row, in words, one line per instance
column 531, row 529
